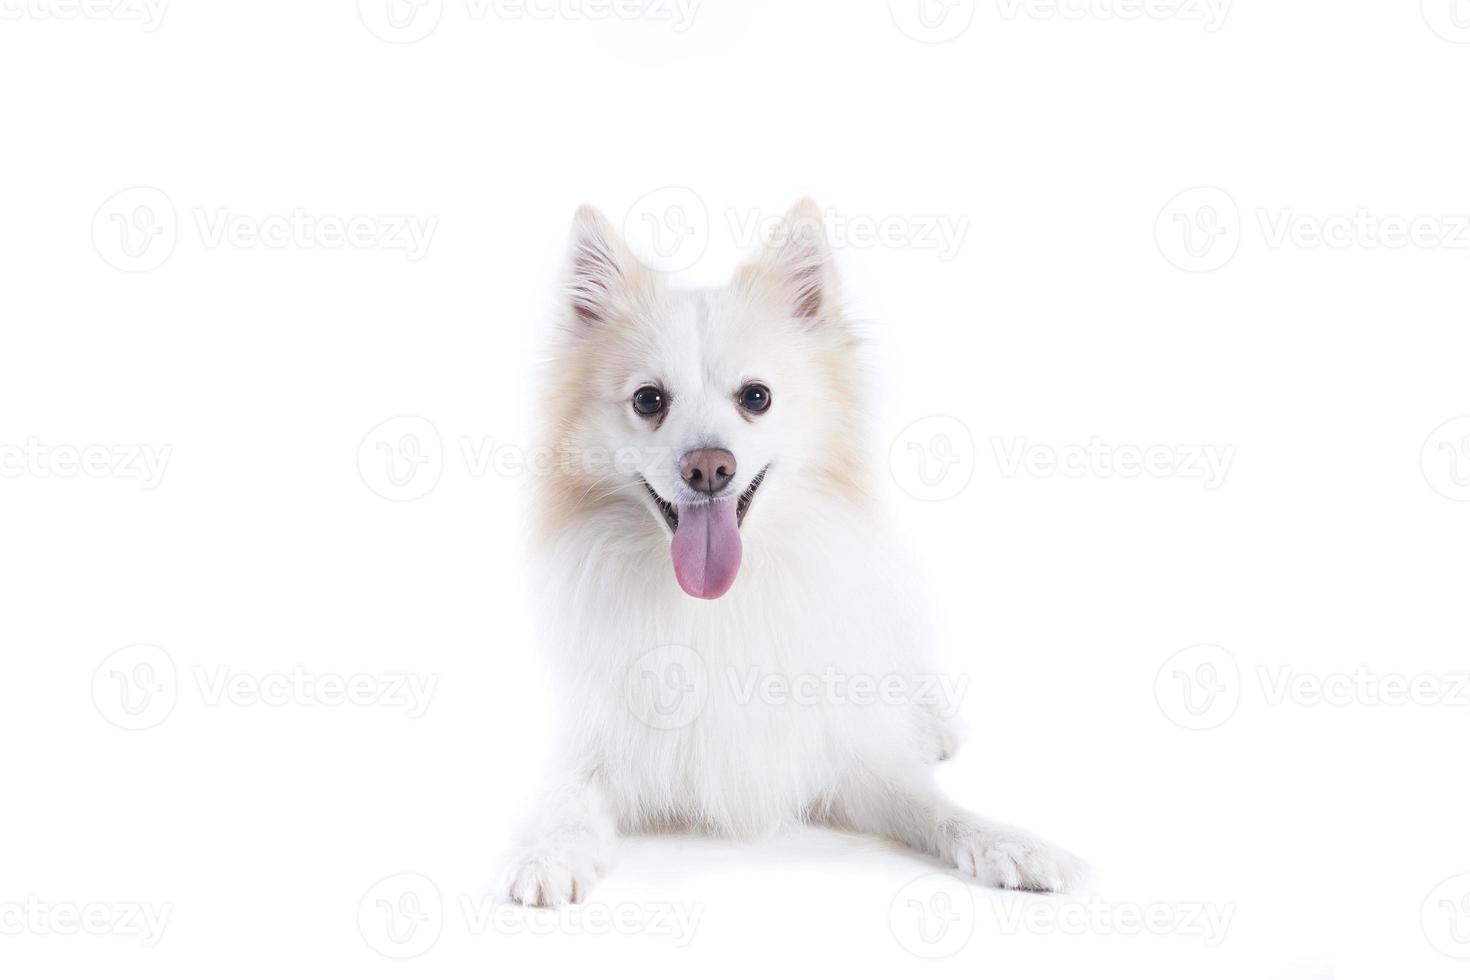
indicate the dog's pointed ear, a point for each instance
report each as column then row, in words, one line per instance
column 798, row 261
column 600, row 270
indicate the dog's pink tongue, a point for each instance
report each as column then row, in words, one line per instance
column 706, row 548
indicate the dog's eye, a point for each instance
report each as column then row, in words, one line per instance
column 755, row 399
column 648, row 400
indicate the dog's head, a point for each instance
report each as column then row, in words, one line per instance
column 705, row 409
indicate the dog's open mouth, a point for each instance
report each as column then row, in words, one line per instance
column 670, row 511
column 706, row 547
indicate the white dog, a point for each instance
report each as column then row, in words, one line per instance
column 730, row 622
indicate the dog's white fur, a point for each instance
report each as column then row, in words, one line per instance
column 821, row 587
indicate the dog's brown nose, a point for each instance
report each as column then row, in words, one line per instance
column 707, row 470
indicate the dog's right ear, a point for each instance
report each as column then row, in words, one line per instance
column 601, row 271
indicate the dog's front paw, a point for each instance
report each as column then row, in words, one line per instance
column 1006, row 858
column 553, row 877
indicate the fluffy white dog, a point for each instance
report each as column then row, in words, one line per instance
column 732, row 626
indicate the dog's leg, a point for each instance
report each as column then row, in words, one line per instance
column 563, row 847
column 915, row 813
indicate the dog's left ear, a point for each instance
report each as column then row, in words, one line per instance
column 798, row 262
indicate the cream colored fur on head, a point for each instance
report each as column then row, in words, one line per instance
column 804, row 693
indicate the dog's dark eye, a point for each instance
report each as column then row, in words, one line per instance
column 648, row 400
column 755, row 399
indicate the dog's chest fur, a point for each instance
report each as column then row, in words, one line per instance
column 737, row 716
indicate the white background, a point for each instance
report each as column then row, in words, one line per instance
column 1072, row 310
